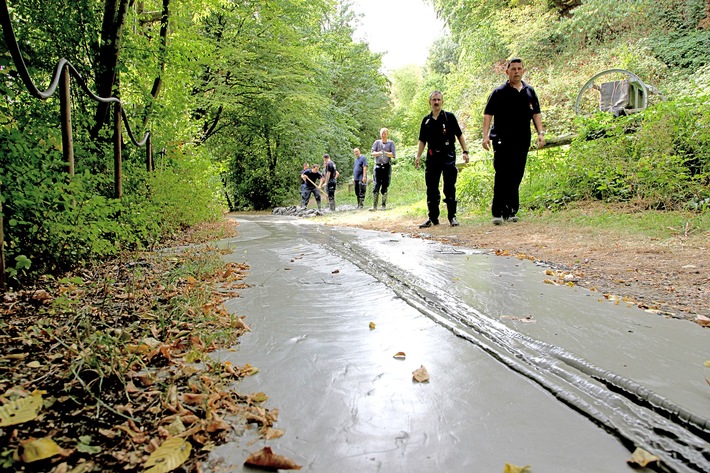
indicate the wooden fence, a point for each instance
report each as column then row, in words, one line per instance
column 61, row 79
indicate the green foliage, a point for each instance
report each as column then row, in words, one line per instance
column 250, row 90
column 597, row 22
column 474, row 186
column 660, row 158
column 685, row 49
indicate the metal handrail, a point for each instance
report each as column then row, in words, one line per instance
column 61, row 79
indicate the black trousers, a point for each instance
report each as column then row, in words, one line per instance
column 509, row 164
column 306, row 196
column 360, row 189
column 435, row 169
column 330, row 188
column 381, row 176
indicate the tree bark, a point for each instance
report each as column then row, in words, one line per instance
column 158, row 82
column 106, row 66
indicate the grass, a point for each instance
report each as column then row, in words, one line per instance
column 629, row 219
column 407, row 201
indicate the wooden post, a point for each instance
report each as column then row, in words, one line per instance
column 2, row 246
column 117, row 175
column 65, row 107
column 149, row 154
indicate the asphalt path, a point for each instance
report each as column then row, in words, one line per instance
column 521, row 372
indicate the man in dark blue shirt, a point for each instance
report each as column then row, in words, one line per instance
column 360, row 177
column 510, row 107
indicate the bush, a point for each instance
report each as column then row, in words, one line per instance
column 660, row 156
column 54, row 222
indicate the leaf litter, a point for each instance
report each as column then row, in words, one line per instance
column 108, row 369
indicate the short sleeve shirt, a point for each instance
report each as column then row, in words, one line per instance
column 512, row 111
column 314, row 178
column 330, row 168
column 440, row 135
column 388, row 147
column 358, row 168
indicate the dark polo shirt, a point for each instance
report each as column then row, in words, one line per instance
column 440, row 136
column 512, row 111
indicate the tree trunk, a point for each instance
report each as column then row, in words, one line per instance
column 106, row 66
column 158, row 82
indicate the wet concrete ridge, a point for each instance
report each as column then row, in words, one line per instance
column 522, row 372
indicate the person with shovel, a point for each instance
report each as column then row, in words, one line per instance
column 306, row 168
column 309, row 178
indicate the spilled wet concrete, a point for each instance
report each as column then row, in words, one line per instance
column 521, row 372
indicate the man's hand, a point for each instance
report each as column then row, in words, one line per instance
column 486, row 143
column 465, row 158
column 540, row 141
column 416, row 162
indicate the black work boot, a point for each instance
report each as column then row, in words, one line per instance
column 375, row 199
column 384, row 201
column 429, row 222
column 451, row 210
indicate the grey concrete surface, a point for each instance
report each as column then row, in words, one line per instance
column 521, row 371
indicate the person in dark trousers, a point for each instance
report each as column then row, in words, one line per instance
column 331, row 174
column 306, row 168
column 438, row 132
column 383, row 151
column 510, row 108
column 310, row 178
column 360, row 177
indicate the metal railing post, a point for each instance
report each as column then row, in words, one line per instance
column 117, row 174
column 65, row 107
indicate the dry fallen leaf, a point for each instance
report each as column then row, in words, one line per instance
column 258, row 398
column 267, row 459
column 38, row 449
column 400, row 355
column 248, row 370
column 703, row 321
column 515, row 468
column 372, row 325
column 641, row 458
column 21, row 410
column 421, row 375
column 272, row 433
column 170, row 455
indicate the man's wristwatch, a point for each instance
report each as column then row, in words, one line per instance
column 465, row 151
column 541, row 132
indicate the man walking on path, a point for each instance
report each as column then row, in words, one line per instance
column 331, row 174
column 360, row 177
column 510, row 107
column 310, row 178
column 384, row 152
column 438, row 131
